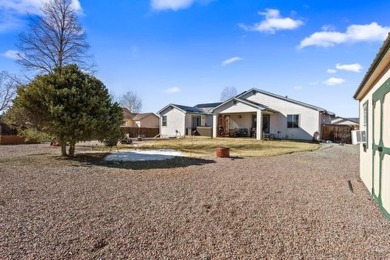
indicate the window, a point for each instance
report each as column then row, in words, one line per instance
column 292, row 121
column 164, row 121
column 365, row 124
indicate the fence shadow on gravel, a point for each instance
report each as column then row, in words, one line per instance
column 94, row 159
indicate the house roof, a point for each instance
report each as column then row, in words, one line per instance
column 184, row 109
column 375, row 70
column 339, row 120
column 127, row 114
column 208, row 105
column 141, row 116
column 319, row 109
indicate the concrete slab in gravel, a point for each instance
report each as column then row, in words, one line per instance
column 142, row 155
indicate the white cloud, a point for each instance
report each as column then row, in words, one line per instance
column 273, row 22
column 330, row 71
column 172, row 90
column 230, row 61
column 334, row 81
column 297, row 87
column 355, row 67
column 174, row 4
column 354, row 33
column 12, row 54
column 12, row 11
column 30, row 6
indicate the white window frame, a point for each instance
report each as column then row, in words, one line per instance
column 164, row 121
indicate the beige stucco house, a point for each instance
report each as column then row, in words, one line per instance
column 262, row 114
column 148, row 120
column 374, row 110
column 128, row 118
column 253, row 113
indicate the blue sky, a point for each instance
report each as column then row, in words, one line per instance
column 188, row 51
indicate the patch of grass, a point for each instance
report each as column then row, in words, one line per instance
column 242, row 147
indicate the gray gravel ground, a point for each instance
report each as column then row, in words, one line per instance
column 292, row 206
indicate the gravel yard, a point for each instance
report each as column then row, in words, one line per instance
column 291, row 206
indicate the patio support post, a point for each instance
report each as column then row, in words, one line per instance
column 215, row 125
column 258, row 125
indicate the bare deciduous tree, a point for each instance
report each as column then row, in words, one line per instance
column 228, row 92
column 8, row 86
column 54, row 39
column 131, row 101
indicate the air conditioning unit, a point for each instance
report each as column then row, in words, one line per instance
column 359, row 136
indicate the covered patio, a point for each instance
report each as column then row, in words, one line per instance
column 242, row 118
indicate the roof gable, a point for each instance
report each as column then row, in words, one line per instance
column 127, row 114
column 253, row 91
column 184, row 109
column 379, row 66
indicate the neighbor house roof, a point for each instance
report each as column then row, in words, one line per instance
column 319, row 109
column 339, row 120
column 141, row 116
column 375, row 71
column 127, row 114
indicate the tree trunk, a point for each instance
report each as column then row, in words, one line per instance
column 63, row 149
column 72, row 148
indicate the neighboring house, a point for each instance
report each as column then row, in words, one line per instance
column 179, row 120
column 351, row 121
column 374, row 109
column 148, row 120
column 259, row 113
column 128, row 120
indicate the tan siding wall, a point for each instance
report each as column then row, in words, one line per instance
column 150, row 122
column 366, row 156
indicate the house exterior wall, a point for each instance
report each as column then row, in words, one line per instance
column 241, row 120
column 175, row 121
column 309, row 119
column 128, row 122
column 149, row 122
column 208, row 120
column 234, row 107
column 366, row 155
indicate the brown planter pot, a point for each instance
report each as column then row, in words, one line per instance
column 222, row 152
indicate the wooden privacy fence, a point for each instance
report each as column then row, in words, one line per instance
column 141, row 131
column 337, row 133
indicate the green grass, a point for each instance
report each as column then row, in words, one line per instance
column 243, row 147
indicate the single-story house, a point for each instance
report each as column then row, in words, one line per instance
column 350, row 121
column 147, row 120
column 178, row 120
column 128, row 118
column 253, row 113
column 373, row 95
column 258, row 113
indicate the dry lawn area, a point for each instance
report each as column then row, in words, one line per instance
column 243, row 147
column 292, row 206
